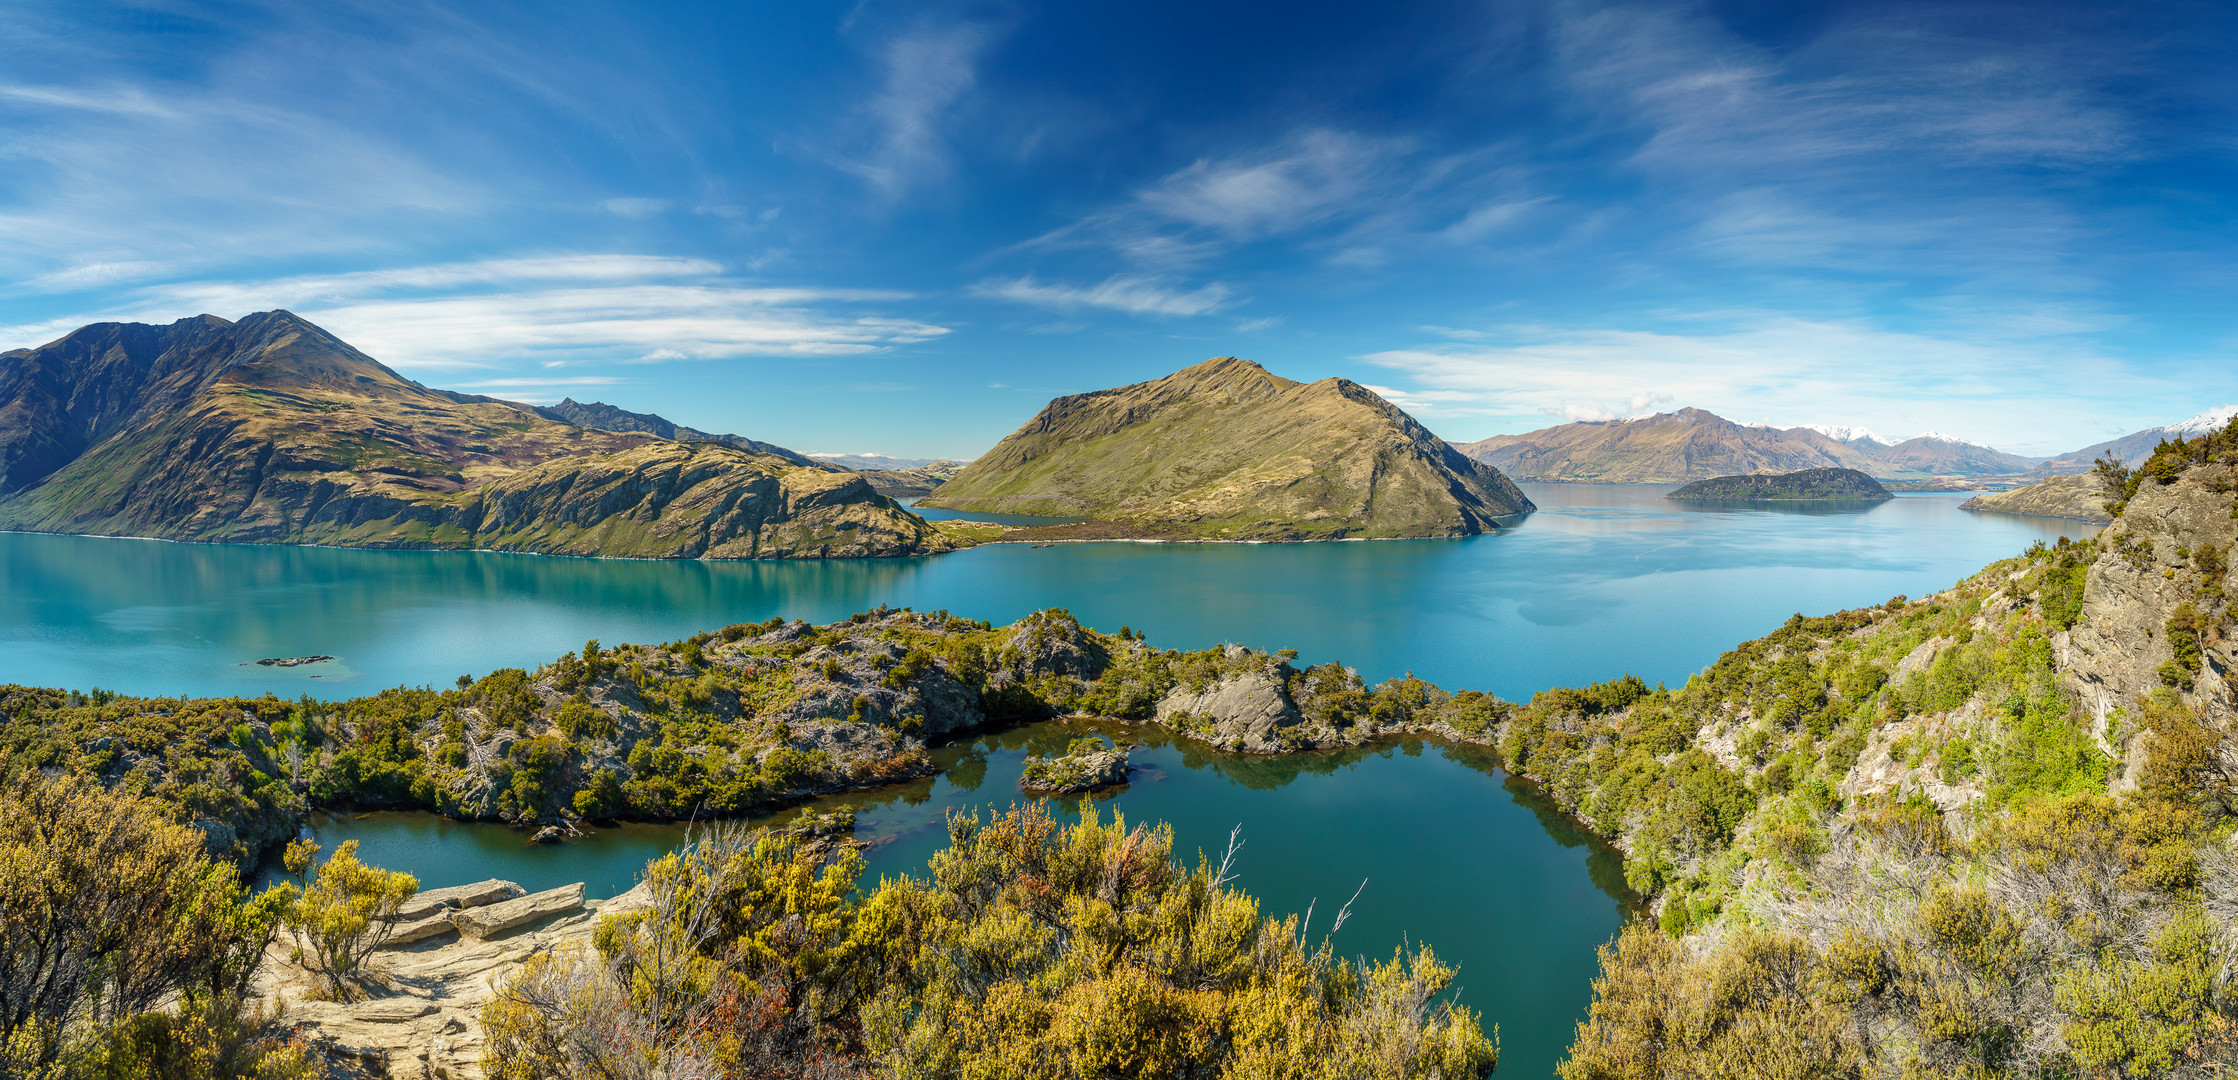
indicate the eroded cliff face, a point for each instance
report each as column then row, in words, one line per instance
column 2156, row 614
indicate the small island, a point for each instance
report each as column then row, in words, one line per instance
column 1816, row 485
column 1088, row 764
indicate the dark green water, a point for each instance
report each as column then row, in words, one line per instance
column 1601, row 581
column 1453, row 853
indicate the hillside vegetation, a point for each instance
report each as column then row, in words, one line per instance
column 271, row 430
column 1224, row 450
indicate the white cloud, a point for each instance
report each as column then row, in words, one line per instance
column 1779, row 366
column 1132, row 294
column 555, row 310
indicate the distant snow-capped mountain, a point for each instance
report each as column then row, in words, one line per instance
column 1852, row 435
column 2135, row 447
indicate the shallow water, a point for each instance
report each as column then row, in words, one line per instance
column 1452, row 852
column 1601, row 581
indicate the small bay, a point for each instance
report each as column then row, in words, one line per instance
column 1441, row 847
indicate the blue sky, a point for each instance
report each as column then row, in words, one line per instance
column 901, row 228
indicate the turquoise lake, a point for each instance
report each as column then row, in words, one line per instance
column 1601, row 581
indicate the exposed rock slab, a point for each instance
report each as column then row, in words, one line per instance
column 480, row 893
column 483, row 923
column 426, row 1021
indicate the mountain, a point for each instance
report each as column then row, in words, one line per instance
column 880, row 462
column 1935, row 454
column 1851, row 436
column 603, row 417
column 2075, row 495
column 1810, row 484
column 1225, row 450
column 271, row 430
column 1694, row 444
column 2136, row 446
column 911, row 482
column 1667, row 448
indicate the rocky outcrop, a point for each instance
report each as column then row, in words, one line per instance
column 2163, row 564
column 2081, row 497
column 1248, row 711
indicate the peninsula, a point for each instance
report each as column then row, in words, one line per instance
column 271, row 430
column 1813, row 485
column 2081, row 496
column 1225, row 450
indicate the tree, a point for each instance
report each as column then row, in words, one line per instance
column 107, row 910
column 349, row 911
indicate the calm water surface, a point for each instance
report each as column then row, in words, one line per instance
column 1452, row 851
column 1601, row 581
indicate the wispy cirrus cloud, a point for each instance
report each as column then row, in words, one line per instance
column 550, row 310
column 1348, row 196
column 1135, row 295
column 895, row 141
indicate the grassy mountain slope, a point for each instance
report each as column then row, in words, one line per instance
column 1226, row 450
column 1827, row 484
column 270, row 430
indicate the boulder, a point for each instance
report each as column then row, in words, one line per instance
column 482, row 923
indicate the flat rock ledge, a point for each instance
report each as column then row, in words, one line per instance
column 422, row 1019
column 483, row 923
column 429, row 913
